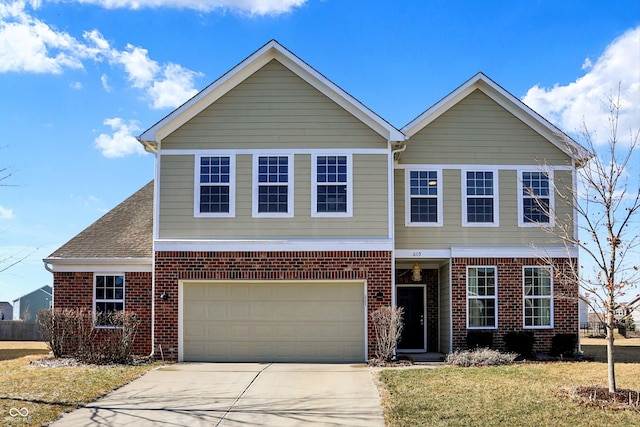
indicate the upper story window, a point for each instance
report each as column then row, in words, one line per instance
column 480, row 197
column 272, row 196
column 423, row 204
column 482, row 297
column 538, row 301
column 108, row 301
column 332, row 186
column 535, row 201
column 215, row 192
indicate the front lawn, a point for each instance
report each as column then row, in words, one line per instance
column 33, row 395
column 515, row 395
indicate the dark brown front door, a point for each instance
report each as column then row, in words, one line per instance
column 411, row 298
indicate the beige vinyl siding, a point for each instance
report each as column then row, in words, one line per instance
column 477, row 130
column 444, row 310
column 273, row 108
column 453, row 234
column 370, row 204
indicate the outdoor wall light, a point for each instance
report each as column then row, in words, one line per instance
column 164, row 296
column 416, row 275
column 379, row 295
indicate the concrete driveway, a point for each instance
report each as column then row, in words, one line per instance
column 246, row 394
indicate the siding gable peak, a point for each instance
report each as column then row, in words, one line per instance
column 270, row 51
column 510, row 103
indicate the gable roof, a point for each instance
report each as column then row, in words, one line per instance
column 270, row 51
column 126, row 231
column 509, row 102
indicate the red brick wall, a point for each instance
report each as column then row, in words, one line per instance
column 510, row 301
column 75, row 290
column 373, row 266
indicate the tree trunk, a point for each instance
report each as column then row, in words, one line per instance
column 610, row 353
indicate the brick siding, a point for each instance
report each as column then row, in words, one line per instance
column 75, row 290
column 171, row 267
column 510, row 301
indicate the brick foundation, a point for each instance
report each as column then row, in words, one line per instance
column 510, row 301
column 373, row 266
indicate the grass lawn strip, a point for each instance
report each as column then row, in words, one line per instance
column 516, row 395
column 48, row 392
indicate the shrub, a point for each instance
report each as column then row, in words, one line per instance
column 71, row 333
column 480, row 357
column 520, row 342
column 563, row 344
column 387, row 325
column 483, row 339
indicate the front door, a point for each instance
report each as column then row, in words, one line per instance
column 412, row 299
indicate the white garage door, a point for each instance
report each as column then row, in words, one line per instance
column 273, row 322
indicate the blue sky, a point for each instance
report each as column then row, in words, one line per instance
column 80, row 79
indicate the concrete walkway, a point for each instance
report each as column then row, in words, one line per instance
column 247, row 394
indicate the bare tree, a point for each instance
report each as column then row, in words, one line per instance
column 606, row 201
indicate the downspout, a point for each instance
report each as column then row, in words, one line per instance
column 152, row 147
column 392, row 219
column 50, row 270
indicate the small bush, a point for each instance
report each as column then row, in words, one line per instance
column 480, row 357
column 71, row 333
column 387, row 325
column 520, row 342
column 563, row 344
column 483, row 339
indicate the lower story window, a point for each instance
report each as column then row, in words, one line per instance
column 108, row 299
column 538, row 290
column 481, row 297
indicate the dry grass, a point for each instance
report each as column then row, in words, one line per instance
column 516, row 395
column 46, row 393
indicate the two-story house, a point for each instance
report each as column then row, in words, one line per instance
column 283, row 211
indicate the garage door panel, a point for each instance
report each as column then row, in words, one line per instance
column 299, row 321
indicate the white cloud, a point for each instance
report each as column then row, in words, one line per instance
column 251, row 7
column 586, row 98
column 28, row 44
column 6, row 213
column 76, row 85
column 122, row 142
column 174, row 89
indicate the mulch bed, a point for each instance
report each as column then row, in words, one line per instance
column 601, row 397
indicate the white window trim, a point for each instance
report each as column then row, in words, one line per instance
column 495, row 297
column 124, row 298
column 496, row 205
column 521, row 222
column 232, row 186
column 438, row 197
column 525, row 297
column 256, row 185
column 314, row 186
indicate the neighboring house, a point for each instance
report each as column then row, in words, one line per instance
column 27, row 306
column 283, row 212
column 6, row 311
column 631, row 308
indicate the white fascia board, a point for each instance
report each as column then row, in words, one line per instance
column 513, row 252
column 105, row 265
column 274, row 245
column 507, row 101
column 272, row 50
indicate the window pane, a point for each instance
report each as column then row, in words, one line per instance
column 332, row 198
column 479, row 210
column 214, row 170
column 535, row 210
column 482, row 312
column 272, row 198
column 424, row 209
column 214, row 199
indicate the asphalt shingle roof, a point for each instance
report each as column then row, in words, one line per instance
column 126, row 231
